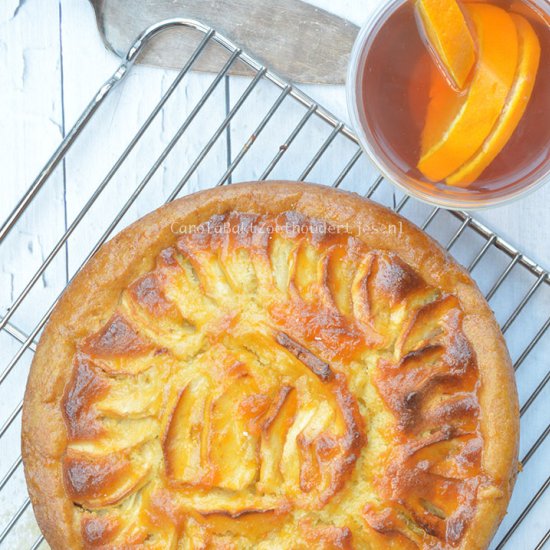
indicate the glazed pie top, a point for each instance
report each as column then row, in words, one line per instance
column 270, row 366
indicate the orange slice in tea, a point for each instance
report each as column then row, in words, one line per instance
column 449, row 36
column 443, row 106
column 444, row 153
column 526, row 73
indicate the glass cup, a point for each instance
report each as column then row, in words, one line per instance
column 384, row 59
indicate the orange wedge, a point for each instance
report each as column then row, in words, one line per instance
column 449, row 36
column 529, row 57
column 443, row 106
column 484, row 100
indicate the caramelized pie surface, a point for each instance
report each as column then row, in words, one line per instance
column 272, row 380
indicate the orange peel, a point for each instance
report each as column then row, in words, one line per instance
column 449, row 36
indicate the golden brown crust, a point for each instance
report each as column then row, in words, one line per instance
column 91, row 300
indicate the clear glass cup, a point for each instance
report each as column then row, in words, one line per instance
column 364, row 110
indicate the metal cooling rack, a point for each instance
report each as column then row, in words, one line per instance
column 272, row 146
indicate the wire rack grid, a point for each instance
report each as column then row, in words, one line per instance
column 215, row 139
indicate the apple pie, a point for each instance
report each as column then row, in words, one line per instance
column 271, row 366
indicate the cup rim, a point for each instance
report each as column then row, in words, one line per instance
column 385, row 9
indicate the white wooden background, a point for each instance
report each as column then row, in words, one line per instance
column 52, row 61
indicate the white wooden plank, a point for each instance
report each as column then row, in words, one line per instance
column 30, row 129
column 31, row 115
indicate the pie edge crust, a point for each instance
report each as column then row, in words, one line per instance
column 97, row 287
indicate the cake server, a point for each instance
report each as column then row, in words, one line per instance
column 300, row 42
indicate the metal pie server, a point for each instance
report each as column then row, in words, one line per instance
column 300, row 42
